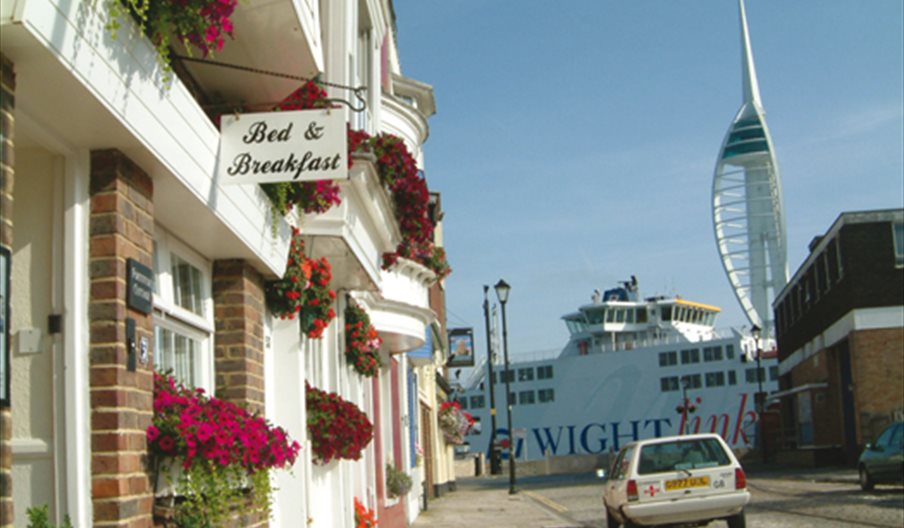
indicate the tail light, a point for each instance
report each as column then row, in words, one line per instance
column 632, row 490
column 740, row 479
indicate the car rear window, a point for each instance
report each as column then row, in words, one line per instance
column 681, row 454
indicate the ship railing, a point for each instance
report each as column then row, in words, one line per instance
column 535, row 355
column 669, row 339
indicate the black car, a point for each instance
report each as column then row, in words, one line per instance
column 882, row 461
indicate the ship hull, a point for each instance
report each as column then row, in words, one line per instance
column 602, row 401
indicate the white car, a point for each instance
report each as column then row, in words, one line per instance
column 688, row 480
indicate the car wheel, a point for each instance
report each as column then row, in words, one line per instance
column 866, row 482
column 737, row 521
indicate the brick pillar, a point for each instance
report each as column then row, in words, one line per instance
column 238, row 297
column 7, row 104
column 122, row 227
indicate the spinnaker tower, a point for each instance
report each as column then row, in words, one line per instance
column 748, row 215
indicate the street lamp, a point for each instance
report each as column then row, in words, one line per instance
column 494, row 452
column 685, row 381
column 502, row 292
column 760, row 396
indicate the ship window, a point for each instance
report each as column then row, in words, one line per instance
column 595, row 316
column 629, row 316
column 732, row 378
column 610, row 315
column 463, row 401
column 668, row 384
column 667, row 359
column 691, row 355
column 526, row 398
column 666, row 313
column 620, row 315
column 546, row 395
column 715, row 379
column 478, row 402
column 729, row 351
column 641, row 315
column 526, row 374
column 712, row 353
column 773, row 373
column 898, row 235
column 544, row 372
column 693, row 381
column 510, row 374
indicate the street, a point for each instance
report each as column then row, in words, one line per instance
column 780, row 499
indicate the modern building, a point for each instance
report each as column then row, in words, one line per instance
column 124, row 251
column 840, row 323
column 748, row 215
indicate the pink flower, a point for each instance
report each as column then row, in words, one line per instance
column 205, row 431
column 167, row 444
column 152, row 433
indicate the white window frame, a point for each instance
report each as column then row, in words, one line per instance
column 168, row 315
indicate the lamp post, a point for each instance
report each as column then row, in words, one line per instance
column 502, row 292
column 685, row 381
column 760, row 396
column 494, row 452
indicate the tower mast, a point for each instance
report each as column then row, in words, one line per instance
column 748, row 214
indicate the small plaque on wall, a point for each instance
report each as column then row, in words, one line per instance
column 139, row 286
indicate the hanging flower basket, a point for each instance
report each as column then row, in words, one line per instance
column 398, row 483
column 222, row 447
column 362, row 343
column 303, row 291
column 453, row 422
column 337, row 428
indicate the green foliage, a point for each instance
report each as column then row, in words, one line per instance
column 397, row 481
column 210, row 493
column 39, row 517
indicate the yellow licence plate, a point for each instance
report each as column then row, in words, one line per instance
column 691, row 482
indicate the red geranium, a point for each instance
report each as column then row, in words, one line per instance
column 338, row 428
column 303, row 291
column 362, row 343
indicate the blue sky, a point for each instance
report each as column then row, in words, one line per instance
column 574, row 142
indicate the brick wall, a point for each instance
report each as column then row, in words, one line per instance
column 121, row 227
column 878, row 360
column 7, row 103
column 238, row 297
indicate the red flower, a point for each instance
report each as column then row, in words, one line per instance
column 167, row 444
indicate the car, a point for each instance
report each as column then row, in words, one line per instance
column 882, row 461
column 688, row 480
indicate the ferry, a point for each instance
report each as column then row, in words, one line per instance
column 633, row 368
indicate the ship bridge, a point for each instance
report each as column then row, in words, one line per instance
column 612, row 323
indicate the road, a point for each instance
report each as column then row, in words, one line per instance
column 777, row 501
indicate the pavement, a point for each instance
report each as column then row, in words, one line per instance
column 476, row 499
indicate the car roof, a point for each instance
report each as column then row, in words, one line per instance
column 676, row 438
